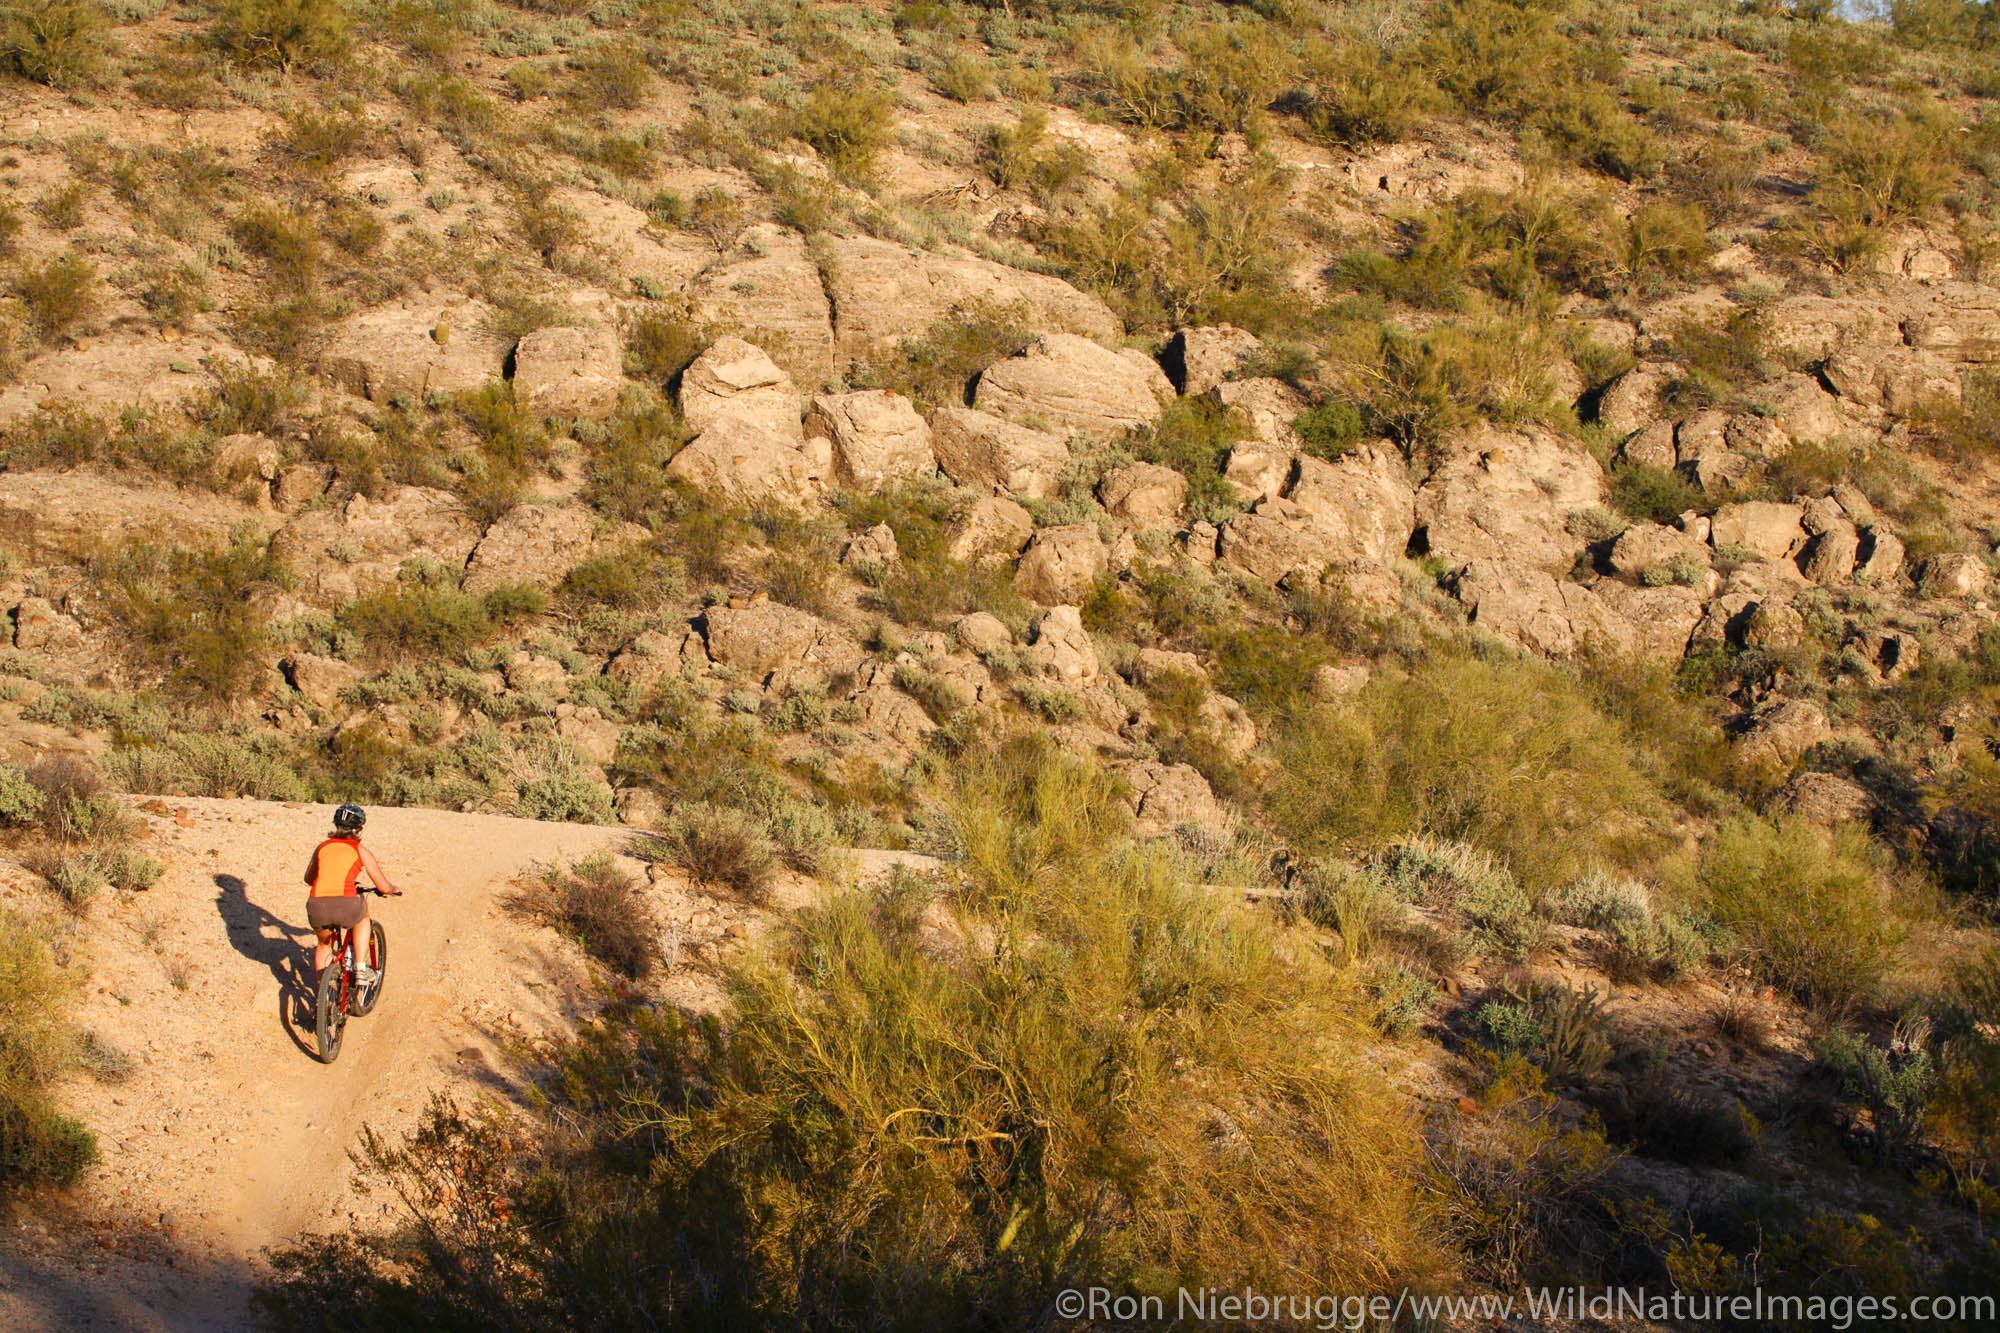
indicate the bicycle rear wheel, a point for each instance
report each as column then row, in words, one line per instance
column 329, row 1013
column 378, row 958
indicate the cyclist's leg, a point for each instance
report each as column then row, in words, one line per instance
column 324, row 943
column 360, row 938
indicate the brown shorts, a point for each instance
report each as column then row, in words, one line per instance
column 335, row 913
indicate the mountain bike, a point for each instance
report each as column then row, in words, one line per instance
column 342, row 993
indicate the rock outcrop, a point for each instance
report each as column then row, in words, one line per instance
column 1072, row 385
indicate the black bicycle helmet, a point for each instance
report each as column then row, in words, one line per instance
column 349, row 818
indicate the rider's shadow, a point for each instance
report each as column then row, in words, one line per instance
column 276, row 943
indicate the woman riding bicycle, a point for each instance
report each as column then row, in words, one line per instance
column 334, row 902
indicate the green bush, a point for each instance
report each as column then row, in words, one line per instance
column 847, row 125
column 1564, row 1030
column 432, row 622
column 1194, row 437
column 1512, row 756
column 611, row 74
column 1358, row 94
column 555, row 782
column 194, row 614
column 56, row 42
column 39, row 1145
column 935, row 368
column 1805, row 902
column 603, row 908
column 59, row 294
column 1651, row 494
column 287, row 34
column 722, row 848
column 21, row 801
column 1894, row 1085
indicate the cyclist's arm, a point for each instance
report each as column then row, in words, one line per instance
column 312, row 868
column 375, row 875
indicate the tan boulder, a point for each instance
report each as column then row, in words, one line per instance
column 1258, row 472
column 40, row 627
column 883, row 292
column 979, row 449
column 1509, row 495
column 1967, row 330
column 982, row 632
column 320, row 679
column 992, row 526
column 1199, row 359
column 340, row 552
column 771, row 284
column 1146, row 493
column 1765, row 528
column 1152, row 665
column 409, row 350
column 764, row 637
column 877, row 547
column 1779, row 736
column 1266, row 408
column 1633, row 399
column 1829, row 561
column 644, row 662
column 1898, row 379
column 1362, row 502
column 1653, row 553
column 244, row 457
column 1814, row 327
column 1075, row 386
column 749, row 463
column 877, row 437
column 1270, row 550
column 570, row 372
column 1825, row 798
column 1774, row 624
column 737, row 381
column 1953, row 574
column 1652, row 446
column 1168, row 797
column 1061, row 563
column 1881, row 557
column 1661, row 619
column 1063, row 646
column 530, row 543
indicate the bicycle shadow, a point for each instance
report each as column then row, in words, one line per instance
column 263, row 937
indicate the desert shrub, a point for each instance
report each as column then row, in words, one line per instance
column 56, row 42
column 1403, row 1000
column 422, row 621
column 625, row 470
column 936, row 367
column 1964, row 427
column 39, row 1145
column 1466, row 883
column 1019, row 156
column 58, row 294
column 1358, row 94
column 1588, row 124
column 611, row 74
column 1419, row 387
column 662, row 342
column 1894, row 1085
column 1651, row 494
column 1356, row 901
column 288, row 34
column 1663, row 242
column 722, row 848
column 75, row 806
column 554, row 781
column 601, row 906
column 1512, row 756
column 1330, row 429
column 1194, row 437
column 21, row 801
column 1563, row 1030
column 193, row 614
column 964, row 79
column 1522, row 1185
column 1806, row 903
column 847, row 126
column 253, row 766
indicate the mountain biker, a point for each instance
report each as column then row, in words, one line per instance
column 333, row 901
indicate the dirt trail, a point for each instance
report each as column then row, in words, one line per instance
column 228, row 1136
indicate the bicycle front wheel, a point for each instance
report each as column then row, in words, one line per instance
column 366, row 993
column 329, row 1013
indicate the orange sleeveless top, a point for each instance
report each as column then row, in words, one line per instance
column 336, row 863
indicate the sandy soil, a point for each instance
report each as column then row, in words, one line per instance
column 228, row 1136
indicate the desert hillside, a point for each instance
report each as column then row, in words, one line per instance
column 1411, row 585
